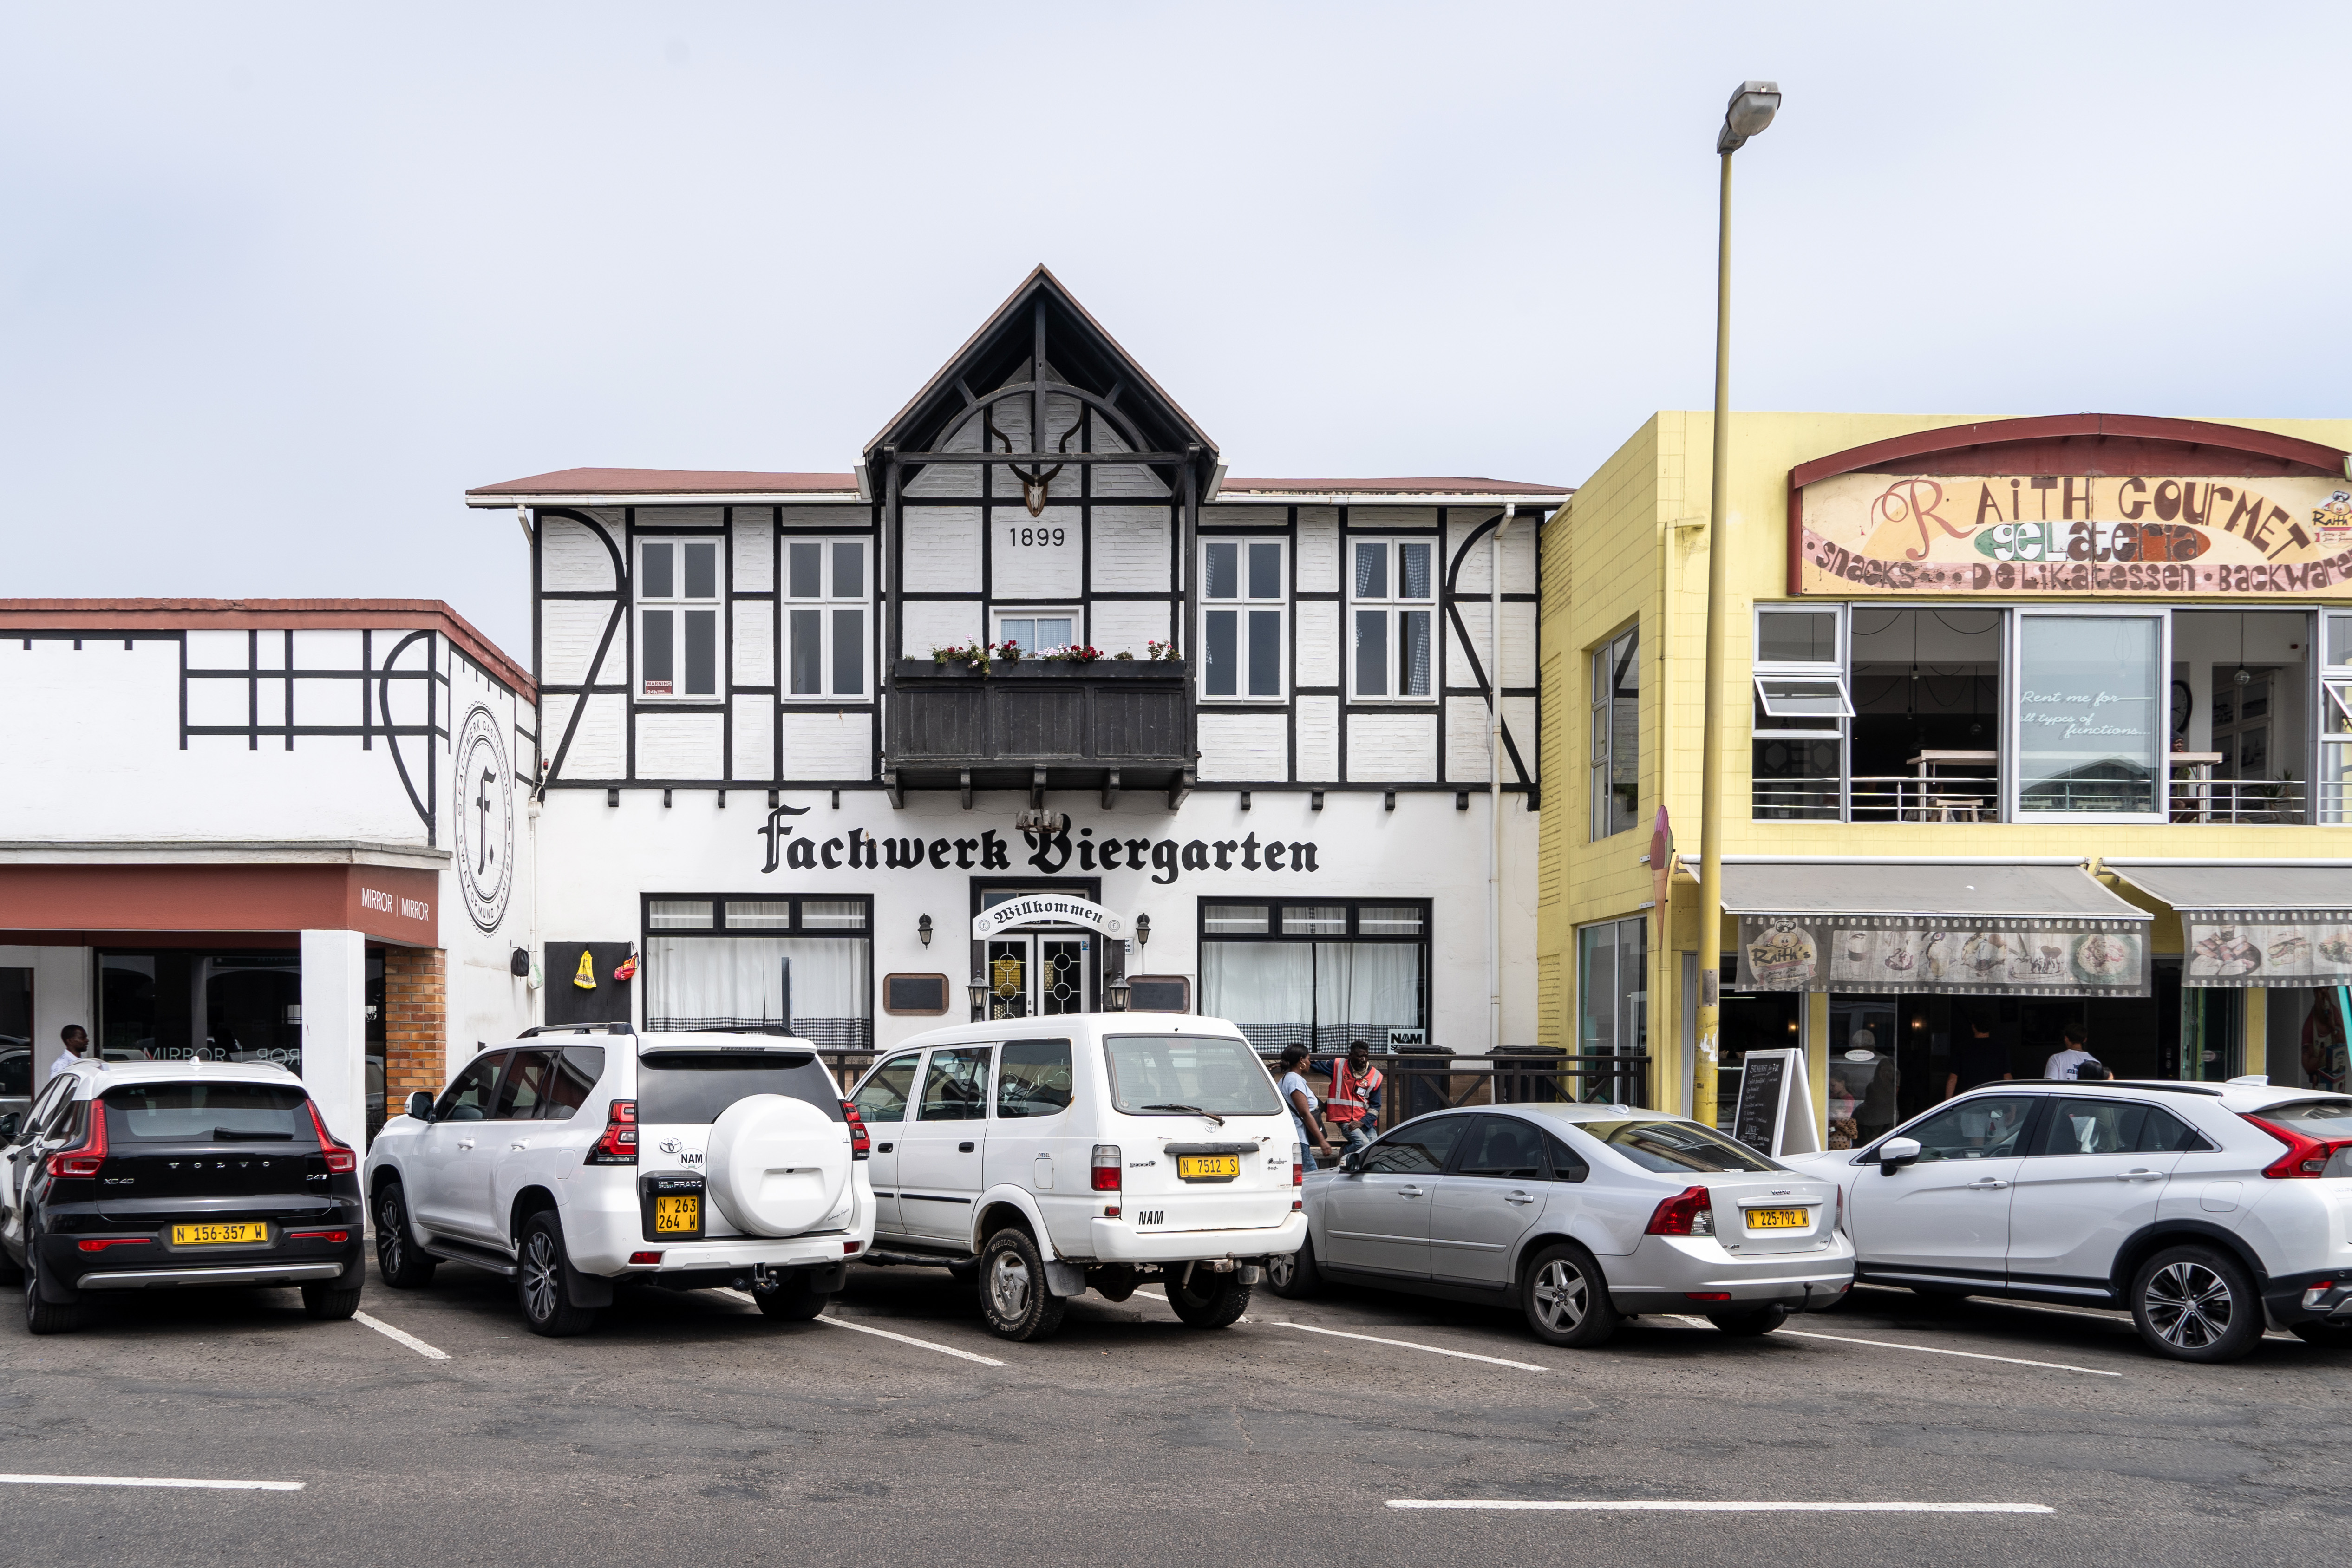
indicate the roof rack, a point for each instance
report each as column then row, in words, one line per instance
column 2167, row 1085
column 619, row 1026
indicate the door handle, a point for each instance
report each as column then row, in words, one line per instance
column 1987, row 1184
column 2139, row 1176
column 1519, row 1198
column 963, row 1148
column 464, row 1143
column 516, row 1145
column 1409, row 1192
column 884, row 1148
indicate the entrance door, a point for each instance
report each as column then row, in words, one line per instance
column 1036, row 974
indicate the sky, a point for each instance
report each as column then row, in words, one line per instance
column 278, row 283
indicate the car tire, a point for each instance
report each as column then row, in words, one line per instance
column 404, row 1267
column 328, row 1304
column 792, row 1301
column 539, row 1281
column 2325, row 1334
column 44, row 1317
column 1292, row 1276
column 1209, row 1300
column 10, row 1273
column 1013, row 1300
column 1749, row 1325
column 2196, row 1303
column 1566, row 1298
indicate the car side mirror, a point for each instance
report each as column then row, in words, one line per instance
column 1897, row 1151
column 1350, row 1163
column 419, row 1107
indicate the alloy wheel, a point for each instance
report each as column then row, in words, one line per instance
column 1281, row 1269
column 388, row 1243
column 1559, row 1296
column 539, row 1283
column 1008, row 1285
column 2189, row 1305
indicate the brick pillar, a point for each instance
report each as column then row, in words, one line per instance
column 415, row 1024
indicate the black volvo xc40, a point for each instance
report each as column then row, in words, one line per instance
column 160, row 1175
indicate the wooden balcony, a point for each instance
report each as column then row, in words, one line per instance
column 1111, row 725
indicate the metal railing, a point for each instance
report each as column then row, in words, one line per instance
column 1417, row 1082
column 1906, row 797
column 1894, row 797
column 2238, row 800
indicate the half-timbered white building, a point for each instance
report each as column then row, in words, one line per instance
column 808, row 750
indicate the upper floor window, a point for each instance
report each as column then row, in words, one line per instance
column 1037, row 631
column 1616, row 734
column 1392, row 594
column 1243, row 602
column 2335, row 718
column 824, row 617
column 677, row 617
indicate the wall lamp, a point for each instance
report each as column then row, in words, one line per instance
column 1116, row 994
column 1143, row 930
column 923, row 929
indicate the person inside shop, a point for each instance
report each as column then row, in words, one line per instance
column 76, row 1040
column 2067, row 1063
column 1354, row 1107
column 2323, row 1044
column 1301, row 1100
column 1979, row 1058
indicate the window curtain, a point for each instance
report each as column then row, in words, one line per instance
column 1362, row 989
column 1267, row 988
column 737, row 983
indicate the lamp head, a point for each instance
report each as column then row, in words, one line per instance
column 1143, row 930
column 1752, row 109
column 1116, row 994
column 923, row 929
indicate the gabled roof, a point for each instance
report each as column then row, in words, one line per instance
column 1078, row 349
column 583, row 486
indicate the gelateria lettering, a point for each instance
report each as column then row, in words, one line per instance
column 1047, row 853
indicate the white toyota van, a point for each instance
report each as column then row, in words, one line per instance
column 1045, row 1156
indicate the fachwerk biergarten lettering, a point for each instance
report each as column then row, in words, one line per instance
column 1049, row 854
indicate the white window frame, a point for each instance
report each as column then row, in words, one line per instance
column 2335, row 759
column 1832, row 677
column 1604, row 735
column 1074, row 614
column 827, row 606
column 1246, row 608
column 1395, row 606
column 2012, row 737
column 677, row 604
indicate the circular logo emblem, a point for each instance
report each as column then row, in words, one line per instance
column 670, row 1145
column 484, row 850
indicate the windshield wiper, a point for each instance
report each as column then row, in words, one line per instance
column 1193, row 1109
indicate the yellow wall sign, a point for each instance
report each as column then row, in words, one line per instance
column 2115, row 536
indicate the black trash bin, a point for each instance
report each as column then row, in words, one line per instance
column 1420, row 1083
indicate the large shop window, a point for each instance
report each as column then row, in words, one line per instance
column 824, row 617
column 1392, row 594
column 1612, row 991
column 677, row 618
column 180, row 1006
column 1243, row 595
column 780, row 964
column 1324, row 974
column 2091, row 699
column 1616, row 735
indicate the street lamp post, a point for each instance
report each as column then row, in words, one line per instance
column 1752, row 109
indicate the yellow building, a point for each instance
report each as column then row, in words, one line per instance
column 2030, row 723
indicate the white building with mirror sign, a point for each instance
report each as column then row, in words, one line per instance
column 1033, row 703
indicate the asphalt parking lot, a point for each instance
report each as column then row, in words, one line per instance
column 688, row 1425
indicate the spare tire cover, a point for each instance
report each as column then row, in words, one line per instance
column 776, row 1165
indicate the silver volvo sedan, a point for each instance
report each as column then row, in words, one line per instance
column 1580, row 1216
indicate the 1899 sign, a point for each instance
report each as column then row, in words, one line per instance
column 1046, row 536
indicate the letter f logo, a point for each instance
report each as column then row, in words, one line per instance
column 774, row 831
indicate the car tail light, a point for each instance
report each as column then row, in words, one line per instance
column 1106, row 1167
column 85, row 1157
column 861, row 1143
column 644, row 1259
column 2306, row 1158
column 335, row 1236
column 618, row 1146
column 341, row 1158
column 1298, row 1164
column 100, row 1242
column 849, row 1247
column 1689, row 1213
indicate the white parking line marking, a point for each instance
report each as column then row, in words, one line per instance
column 884, row 1334
column 1932, row 1350
column 1648, row 1506
column 1408, row 1344
column 2104, row 1314
column 430, row 1353
column 180, row 1484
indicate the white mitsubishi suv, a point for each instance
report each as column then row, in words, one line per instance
column 1040, row 1157
column 2205, row 1210
column 582, row 1155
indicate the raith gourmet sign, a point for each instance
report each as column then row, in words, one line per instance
column 2111, row 536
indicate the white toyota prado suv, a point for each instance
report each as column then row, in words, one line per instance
column 585, row 1154
column 1040, row 1157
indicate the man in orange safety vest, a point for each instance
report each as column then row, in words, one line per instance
column 1354, row 1108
